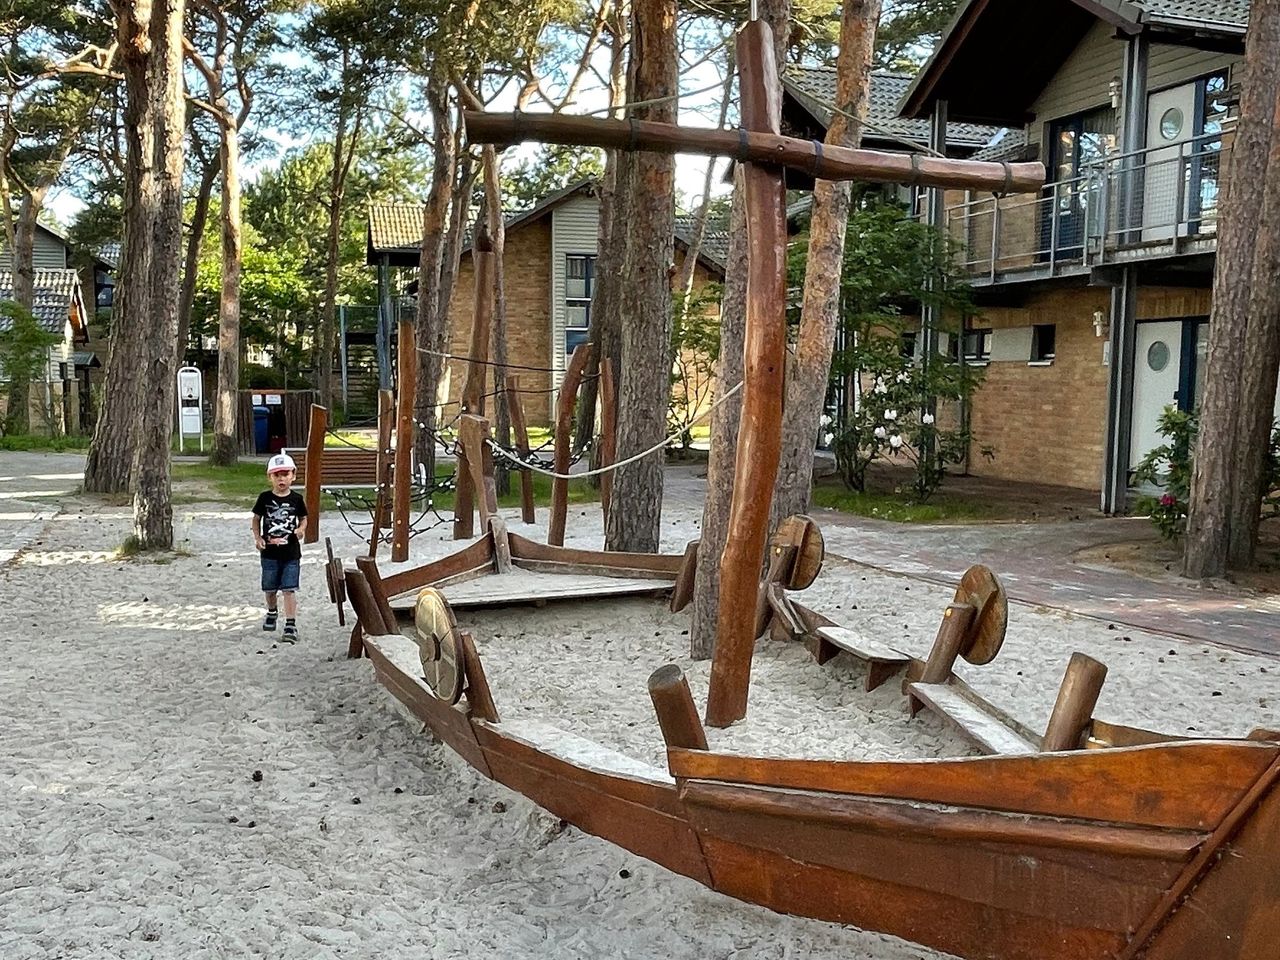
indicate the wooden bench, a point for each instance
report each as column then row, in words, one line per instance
column 341, row 467
column 883, row 661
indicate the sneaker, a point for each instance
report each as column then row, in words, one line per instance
column 269, row 621
column 290, row 634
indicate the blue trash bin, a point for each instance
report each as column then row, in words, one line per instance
column 261, row 429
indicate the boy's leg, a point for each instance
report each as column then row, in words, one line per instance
column 270, row 585
column 289, row 598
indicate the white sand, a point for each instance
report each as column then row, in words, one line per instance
column 137, row 701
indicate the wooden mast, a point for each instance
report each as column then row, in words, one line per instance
column 473, row 393
column 760, row 434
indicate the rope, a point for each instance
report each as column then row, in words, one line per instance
column 501, row 451
column 491, row 363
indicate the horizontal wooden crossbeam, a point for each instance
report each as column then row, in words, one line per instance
column 818, row 159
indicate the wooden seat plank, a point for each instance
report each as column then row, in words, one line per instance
column 989, row 733
column 882, row 660
column 522, row 586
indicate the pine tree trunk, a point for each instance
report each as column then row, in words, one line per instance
column 191, row 263
column 820, row 310
column 498, row 330
column 1209, row 518
column 226, row 446
column 153, row 498
column 434, row 217
column 344, row 149
column 724, row 435
column 645, row 386
column 24, row 294
column 722, row 460
column 605, row 333
column 1261, row 348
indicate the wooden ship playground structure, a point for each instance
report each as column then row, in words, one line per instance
column 1086, row 841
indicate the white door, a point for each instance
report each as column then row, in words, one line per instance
column 1171, row 121
column 1158, row 366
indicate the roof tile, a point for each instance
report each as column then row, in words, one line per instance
column 57, row 291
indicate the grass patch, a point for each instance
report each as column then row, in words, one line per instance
column 942, row 507
column 25, row 442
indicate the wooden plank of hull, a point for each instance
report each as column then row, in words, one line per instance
column 940, row 921
column 525, row 549
column 662, row 580
column 497, row 593
column 1189, row 785
column 1068, row 874
column 639, row 815
column 479, row 554
column 449, row 723
column 1234, row 912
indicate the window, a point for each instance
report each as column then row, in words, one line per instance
column 1043, row 336
column 579, row 274
column 908, row 347
column 1204, row 169
column 977, row 345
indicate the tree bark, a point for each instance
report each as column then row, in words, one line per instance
column 645, row 385
column 24, row 294
column 1209, row 518
column 145, row 327
column 428, row 323
column 191, row 263
column 605, row 327
column 820, row 309
column 226, row 445
column 498, row 331
column 1260, row 352
column 722, row 460
column 153, row 496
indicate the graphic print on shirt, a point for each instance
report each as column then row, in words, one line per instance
column 280, row 520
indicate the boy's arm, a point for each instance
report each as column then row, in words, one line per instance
column 301, row 528
column 257, row 532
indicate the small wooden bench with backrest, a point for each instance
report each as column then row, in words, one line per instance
column 341, row 466
column 973, row 627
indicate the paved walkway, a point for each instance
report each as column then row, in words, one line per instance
column 31, row 488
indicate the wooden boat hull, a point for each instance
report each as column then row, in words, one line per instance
column 1167, row 851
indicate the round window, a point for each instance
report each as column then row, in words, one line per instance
column 1158, row 356
column 1171, row 123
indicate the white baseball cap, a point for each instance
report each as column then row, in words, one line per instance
column 280, row 462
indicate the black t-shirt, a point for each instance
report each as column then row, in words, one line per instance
column 280, row 516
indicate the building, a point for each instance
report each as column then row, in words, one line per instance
column 58, row 397
column 549, row 272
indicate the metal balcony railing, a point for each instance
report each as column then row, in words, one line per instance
column 1127, row 206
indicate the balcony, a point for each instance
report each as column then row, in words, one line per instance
column 1160, row 202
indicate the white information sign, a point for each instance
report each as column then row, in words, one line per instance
column 273, row 399
column 190, row 406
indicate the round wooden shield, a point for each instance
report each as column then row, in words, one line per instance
column 439, row 645
column 982, row 589
column 801, row 532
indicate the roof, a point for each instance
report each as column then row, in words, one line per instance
column 57, row 300
column 973, row 70
column 393, row 228
column 814, row 88
column 714, row 251
column 1009, row 144
column 85, row 358
column 108, row 254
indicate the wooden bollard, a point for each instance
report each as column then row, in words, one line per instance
column 373, row 577
column 479, row 696
column 521, row 436
column 315, row 470
column 952, row 634
column 406, row 378
column 370, row 615
column 677, row 716
column 1073, row 710
column 682, row 592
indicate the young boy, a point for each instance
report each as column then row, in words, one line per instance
column 279, row 519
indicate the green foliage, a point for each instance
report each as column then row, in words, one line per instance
column 888, row 260
column 695, row 345
column 909, row 30
column 1169, row 467
column 552, row 168
column 24, row 357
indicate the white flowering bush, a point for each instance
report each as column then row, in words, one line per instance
column 895, row 419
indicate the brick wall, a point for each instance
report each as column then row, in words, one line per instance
column 1047, row 424
column 528, row 284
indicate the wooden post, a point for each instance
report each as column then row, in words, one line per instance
column 759, row 438
column 368, row 613
column 521, row 433
column 608, row 431
column 406, row 384
column 373, row 578
column 564, row 437
column 315, row 470
column 781, row 562
column 1073, row 711
column 952, row 634
column 682, row 592
column 386, row 424
column 473, row 388
column 477, row 458
column 677, row 715
column 479, row 696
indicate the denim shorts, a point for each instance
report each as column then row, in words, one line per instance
column 280, row 575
